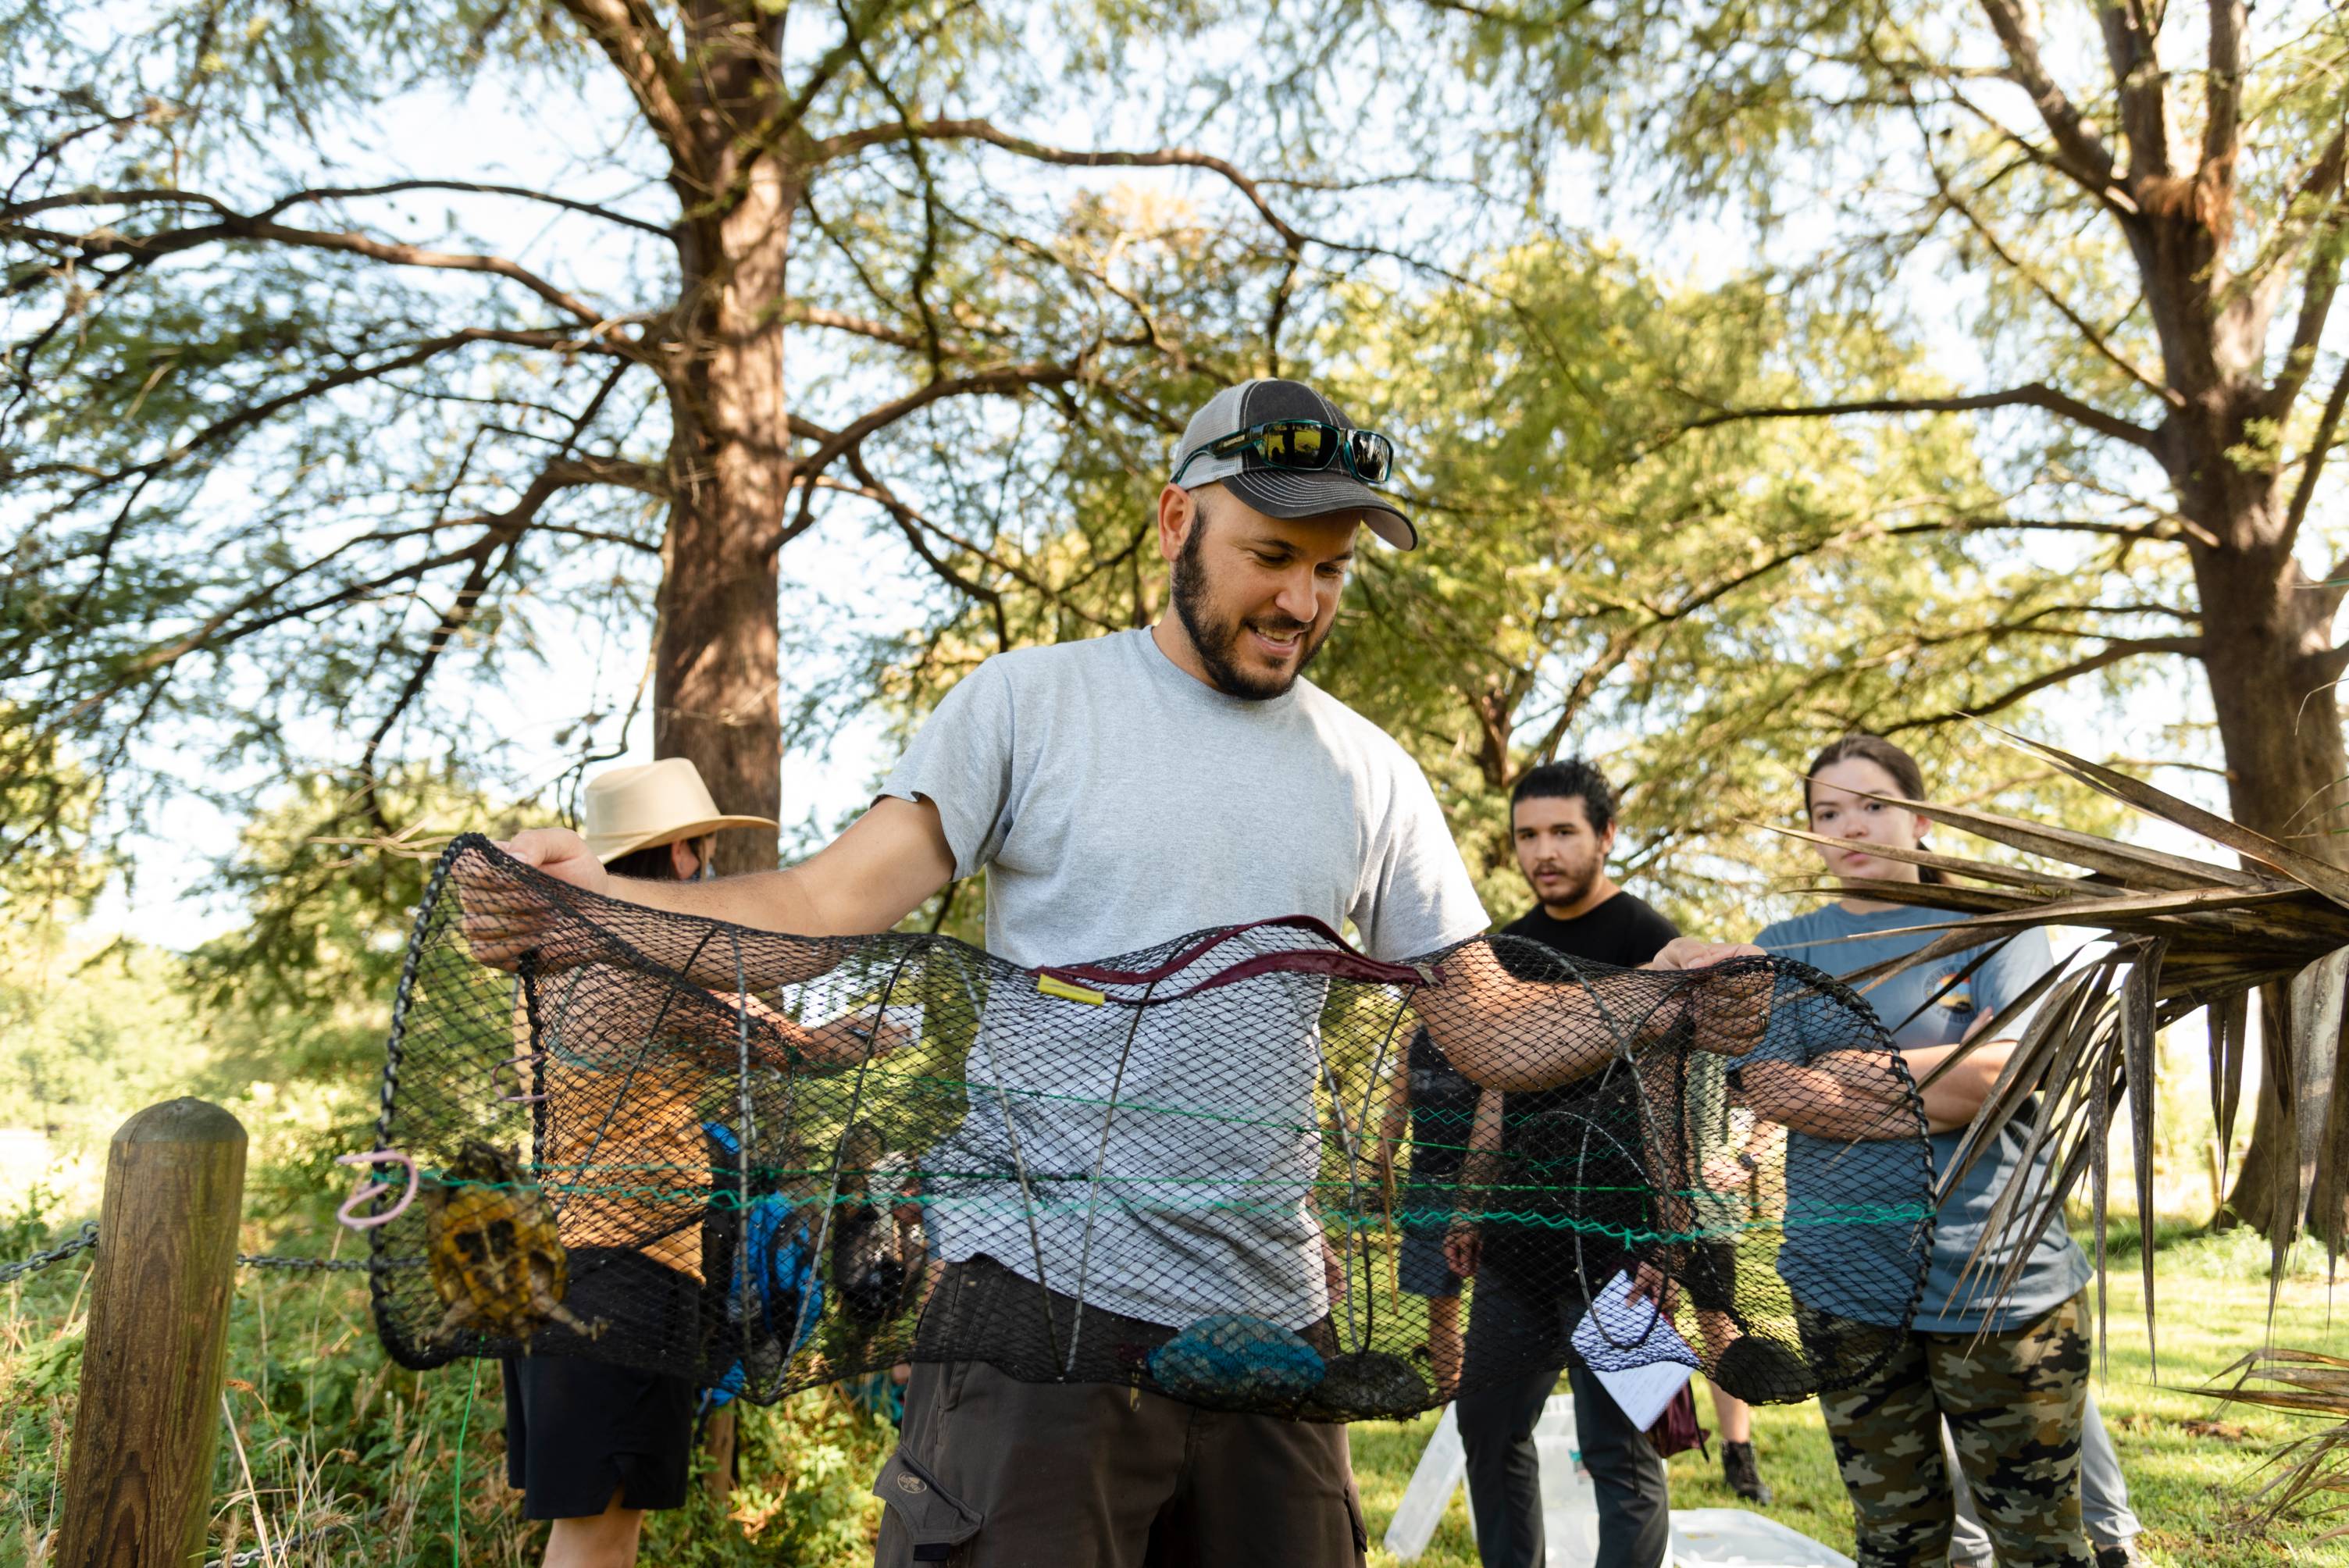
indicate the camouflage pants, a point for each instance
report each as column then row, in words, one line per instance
column 2013, row 1402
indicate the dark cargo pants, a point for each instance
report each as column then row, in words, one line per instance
column 994, row 1472
column 2014, row 1404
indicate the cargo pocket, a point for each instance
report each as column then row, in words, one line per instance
column 932, row 1520
column 1354, row 1518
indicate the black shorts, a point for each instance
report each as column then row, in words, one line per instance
column 577, row 1432
column 579, row 1429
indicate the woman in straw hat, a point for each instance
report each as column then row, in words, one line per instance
column 591, row 1442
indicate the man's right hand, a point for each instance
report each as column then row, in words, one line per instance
column 561, row 854
column 503, row 920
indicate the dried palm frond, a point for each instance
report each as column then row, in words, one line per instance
column 2186, row 934
column 2313, row 1472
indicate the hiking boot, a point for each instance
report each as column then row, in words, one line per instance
column 2122, row 1554
column 1745, row 1476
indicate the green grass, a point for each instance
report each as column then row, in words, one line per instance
column 2191, row 1462
column 330, row 1430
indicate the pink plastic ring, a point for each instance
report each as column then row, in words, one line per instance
column 517, row 1096
column 372, row 1190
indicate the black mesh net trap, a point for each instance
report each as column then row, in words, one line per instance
column 1230, row 1168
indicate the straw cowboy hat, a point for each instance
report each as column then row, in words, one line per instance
column 630, row 809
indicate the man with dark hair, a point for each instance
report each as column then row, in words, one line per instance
column 1053, row 768
column 1120, row 792
column 1530, row 1278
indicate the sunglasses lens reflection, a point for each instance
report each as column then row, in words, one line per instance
column 1373, row 455
column 1294, row 444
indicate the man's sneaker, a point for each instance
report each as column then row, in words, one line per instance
column 1745, row 1476
column 2122, row 1554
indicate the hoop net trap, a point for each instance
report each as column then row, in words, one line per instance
column 1217, row 1168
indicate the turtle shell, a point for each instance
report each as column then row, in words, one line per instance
column 496, row 1260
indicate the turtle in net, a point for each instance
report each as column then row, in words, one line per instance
column 497, row 1262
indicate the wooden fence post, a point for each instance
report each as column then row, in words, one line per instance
column 139, row 1487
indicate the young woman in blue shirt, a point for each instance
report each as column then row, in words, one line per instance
column 2008, row 1371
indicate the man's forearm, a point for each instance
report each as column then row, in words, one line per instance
column 864, row 881
column 1505, row 1033
column 763, row 901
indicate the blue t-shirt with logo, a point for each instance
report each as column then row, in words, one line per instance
column 1916, row 1010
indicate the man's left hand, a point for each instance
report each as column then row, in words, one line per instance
column 1695, row 953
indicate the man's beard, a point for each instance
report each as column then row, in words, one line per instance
column 1577, row 888
column 1216, row 642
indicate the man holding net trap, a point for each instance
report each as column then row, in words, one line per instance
column 1131, row 1198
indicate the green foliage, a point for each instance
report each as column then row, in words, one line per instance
column 1701, row 608
column 85, row 1038
column 330, row 1432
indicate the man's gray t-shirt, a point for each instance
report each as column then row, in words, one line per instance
column 1930, row 1005
column 1116, row 803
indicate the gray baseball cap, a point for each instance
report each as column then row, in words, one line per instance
column 1282, row 493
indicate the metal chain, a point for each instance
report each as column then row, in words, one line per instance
column 80, row 1244
column 247, row 1558
column 86, row 1240
column 316, row 1265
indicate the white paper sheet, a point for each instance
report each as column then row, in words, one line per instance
column 1634, row 1350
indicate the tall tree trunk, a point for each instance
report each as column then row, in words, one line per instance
column 2267, row 630
column 715, row 678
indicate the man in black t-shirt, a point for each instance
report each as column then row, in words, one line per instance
column 1574, row 1153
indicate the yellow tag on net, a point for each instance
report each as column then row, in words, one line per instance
column 1053, row 986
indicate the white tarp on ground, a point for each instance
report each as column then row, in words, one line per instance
column 1734, row 1538
column 1701, row 1537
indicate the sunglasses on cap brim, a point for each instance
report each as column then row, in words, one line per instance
column 1305, row 446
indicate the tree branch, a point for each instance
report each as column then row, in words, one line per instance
column 96, row 198
column 2036, row 395
column 2138, row 82
column 2223, row 91
column 2312, row 463
column 1003, row 378
column 849, row 142
column 98, row 244
column 2140, row 533
column 2046, row 291
column 634, row 43
column 829, row 65
column 862, row 327
column 911, row 523
column 494, row 553
column 627, row 473
column 2112, row 653
column 223, row 628
column 2091, row 162
column 255, row 414
column 2325, row 181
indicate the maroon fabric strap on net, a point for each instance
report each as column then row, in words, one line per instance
column 1346, row 964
